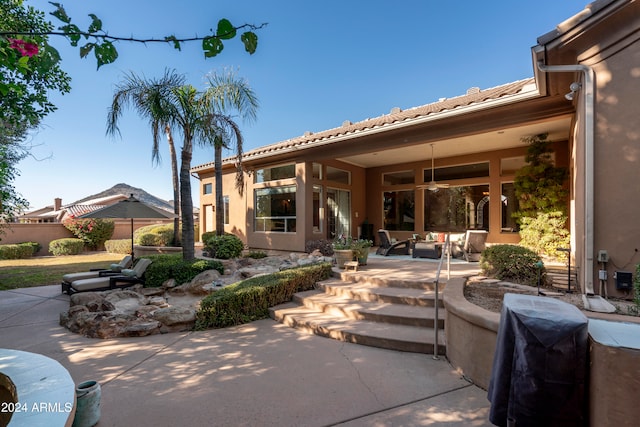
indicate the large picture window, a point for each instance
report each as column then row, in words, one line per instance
column 275, row 173
column 399, row 210
column 457, row 208
column 275, row 209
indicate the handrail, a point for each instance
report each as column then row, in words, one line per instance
column 446, row 250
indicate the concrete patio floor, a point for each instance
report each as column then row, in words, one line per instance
column 259, row 374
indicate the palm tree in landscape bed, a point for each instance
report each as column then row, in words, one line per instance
column 149, row 98
column 227, row 94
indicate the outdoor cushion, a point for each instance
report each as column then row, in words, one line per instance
column 115, row 268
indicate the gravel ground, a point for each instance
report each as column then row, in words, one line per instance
column 488, row 294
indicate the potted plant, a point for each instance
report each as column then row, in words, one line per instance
column 361, row 250
column 343, row 250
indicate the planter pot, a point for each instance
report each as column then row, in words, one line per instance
column 363, row 256
column 342, row 256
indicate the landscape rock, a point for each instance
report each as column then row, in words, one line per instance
column 139, row 311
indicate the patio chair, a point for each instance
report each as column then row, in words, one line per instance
column 124, row 280
column 388, row 247
column 473, row 245
column 113, row 270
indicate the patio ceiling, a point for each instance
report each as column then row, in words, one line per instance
column 558, row 130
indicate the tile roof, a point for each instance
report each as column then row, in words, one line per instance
column 474, row 96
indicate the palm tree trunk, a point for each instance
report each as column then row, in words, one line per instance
column 186, row 202
column 176, row 185
column 219, row 195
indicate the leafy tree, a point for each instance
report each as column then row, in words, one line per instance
column 29, row 71
column 92, row 231
column 148, row 98
column 542, row 197
column 227, row 93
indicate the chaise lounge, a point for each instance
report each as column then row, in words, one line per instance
column 113, row 270
column 390, row 247
column 126, row 279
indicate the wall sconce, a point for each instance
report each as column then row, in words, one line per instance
column 575, row 86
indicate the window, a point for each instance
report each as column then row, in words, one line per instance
column 317, row 208
column 399, row 210
column 275, row 209
column 317, row 171
column 225, row 202
column 510, row 206
column 474, row 170
column 338, row 175
column 397, row 178
column 275, row 173
column 457, row 208
column 207, row 188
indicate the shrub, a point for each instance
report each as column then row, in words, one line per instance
column 250, row 299
column 19, row 250
column 166, row 267
column 67, row 246
column 92, row 231
column 208, row 235
column 256, row 254
column 154, row 235
column 119, row 246
column 545, row 233
column 224, row 247
column 323, row 245
column 514, row 263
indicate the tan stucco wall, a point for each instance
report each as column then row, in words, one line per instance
column 46, row 232
column 617, row 157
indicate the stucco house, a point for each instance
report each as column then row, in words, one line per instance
column 375, row 173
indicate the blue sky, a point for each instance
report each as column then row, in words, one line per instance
column 317, row 65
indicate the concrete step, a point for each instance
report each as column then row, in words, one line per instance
column 376, row 334
column 383, row 312
column 425, row 283
column 363, row 291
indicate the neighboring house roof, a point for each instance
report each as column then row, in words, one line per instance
column 474, row 98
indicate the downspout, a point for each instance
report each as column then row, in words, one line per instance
column 589, row 131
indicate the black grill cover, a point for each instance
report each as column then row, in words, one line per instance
column 540, row 364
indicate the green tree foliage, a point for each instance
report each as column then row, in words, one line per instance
column 30, row 71
column 539, row 184
column 542, row 196
column 92, row 231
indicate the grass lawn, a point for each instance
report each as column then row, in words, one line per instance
column 48, row 270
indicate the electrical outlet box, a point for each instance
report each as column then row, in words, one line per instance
column 603, row 256
column 602, row 274
column 624, row 280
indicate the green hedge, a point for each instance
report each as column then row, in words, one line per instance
column 224, row 247
column 19, row 250
column 154, row 235
column 513, row 263
column 250, row 299
column 166, row 267
column 69, row 246
column 118, row 246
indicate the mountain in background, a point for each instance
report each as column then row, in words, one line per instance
column 128, row 190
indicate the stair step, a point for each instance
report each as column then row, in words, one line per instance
column 376, row 334
column 425, row 282
column 399, row 314
column 366, row 292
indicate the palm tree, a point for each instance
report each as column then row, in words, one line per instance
column 150, row 98
column 227, row 93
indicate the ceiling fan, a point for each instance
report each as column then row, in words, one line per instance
column 433, row 185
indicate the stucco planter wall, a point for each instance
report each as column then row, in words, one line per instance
column 155, row 250
column 614, row 371
column 471, row 333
